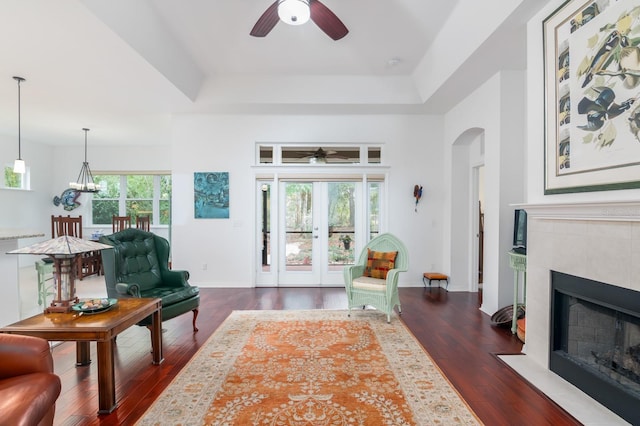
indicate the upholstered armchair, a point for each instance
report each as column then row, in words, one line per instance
column 138, row 266
column 373, row 279
column 28, row 387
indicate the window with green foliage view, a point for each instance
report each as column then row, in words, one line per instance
column 132, row 195
column 13, row 180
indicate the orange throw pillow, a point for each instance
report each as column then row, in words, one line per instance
column 379, row 263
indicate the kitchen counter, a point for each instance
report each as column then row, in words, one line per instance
column 16, row 233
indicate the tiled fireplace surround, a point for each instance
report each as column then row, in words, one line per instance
column 599, row 241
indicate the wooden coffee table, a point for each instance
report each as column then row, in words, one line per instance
column 102, row 328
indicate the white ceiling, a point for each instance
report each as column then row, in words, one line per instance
column 123, row 67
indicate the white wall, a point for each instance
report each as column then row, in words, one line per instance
column 497, row 110
column 412, row 149
column 21, row 209
column 27, row 209
column 227, row 143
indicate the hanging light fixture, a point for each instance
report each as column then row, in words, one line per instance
column 294, row 12
column 19, row 165
column 85, row 182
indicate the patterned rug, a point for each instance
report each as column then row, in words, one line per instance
column 310, row 368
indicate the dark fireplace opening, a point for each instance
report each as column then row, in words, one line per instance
column 595, row 341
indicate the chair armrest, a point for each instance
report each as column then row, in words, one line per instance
column 24, row 355
column 351, row 272
column 392, row 280
column 175, row 278
column 392, row 274
column 128, row 289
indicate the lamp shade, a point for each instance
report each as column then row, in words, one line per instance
column 61, row 247
column 294, row 12
column 19, row 166
column 64, row 250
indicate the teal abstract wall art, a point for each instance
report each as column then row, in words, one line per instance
column 211, row 195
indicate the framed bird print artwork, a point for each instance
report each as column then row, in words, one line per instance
column 592, row 90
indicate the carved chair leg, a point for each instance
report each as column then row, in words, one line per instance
column 195, row 315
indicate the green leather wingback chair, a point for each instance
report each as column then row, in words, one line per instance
column 138, row 266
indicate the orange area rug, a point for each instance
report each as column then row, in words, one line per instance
column 310, row 368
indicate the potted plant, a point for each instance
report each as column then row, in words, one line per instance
column 346, row 241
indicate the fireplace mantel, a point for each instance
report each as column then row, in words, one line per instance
column 595, row 240
column 628, row 211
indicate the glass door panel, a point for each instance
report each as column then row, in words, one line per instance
column 298, row 226
column 265, row 227
column 374, row 209
column 319, row 233
column 342, row 227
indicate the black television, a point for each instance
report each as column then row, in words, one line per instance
column 520, row 231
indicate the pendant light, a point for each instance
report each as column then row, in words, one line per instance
column 19, row 165
column 85, row 182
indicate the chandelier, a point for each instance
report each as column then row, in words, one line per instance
column 85, row 182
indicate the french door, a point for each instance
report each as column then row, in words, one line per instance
column 319, row 229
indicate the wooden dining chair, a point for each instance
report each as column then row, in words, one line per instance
column 144, row 223
column 66, row 225
column 120, row 223
column 89, row 263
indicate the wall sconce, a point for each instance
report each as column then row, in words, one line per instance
column 19, row 165
column 64, row 251
column 417, row 194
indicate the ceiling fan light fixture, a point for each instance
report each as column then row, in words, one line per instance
column 294, row 12
column 317, row 160
column 318, row 157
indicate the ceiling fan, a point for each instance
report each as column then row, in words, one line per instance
column 297, row 12
column 317, row 156
column 320, row 156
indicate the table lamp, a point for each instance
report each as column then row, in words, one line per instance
column 64, row 251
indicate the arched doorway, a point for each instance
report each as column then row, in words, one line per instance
column 467, row 189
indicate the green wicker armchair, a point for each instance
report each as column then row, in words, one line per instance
column 373, row 280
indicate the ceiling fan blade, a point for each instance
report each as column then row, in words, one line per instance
column 267, row 21
column 308, row 153
column 327, row 20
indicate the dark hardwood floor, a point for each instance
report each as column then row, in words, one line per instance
column 450, row 326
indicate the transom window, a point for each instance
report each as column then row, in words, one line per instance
column 132, row 195
column 316, row 154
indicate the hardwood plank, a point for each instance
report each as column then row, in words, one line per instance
column 457, row 335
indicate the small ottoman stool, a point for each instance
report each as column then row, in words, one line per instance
column 437, row 276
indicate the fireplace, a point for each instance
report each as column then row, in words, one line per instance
column 595, row 341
